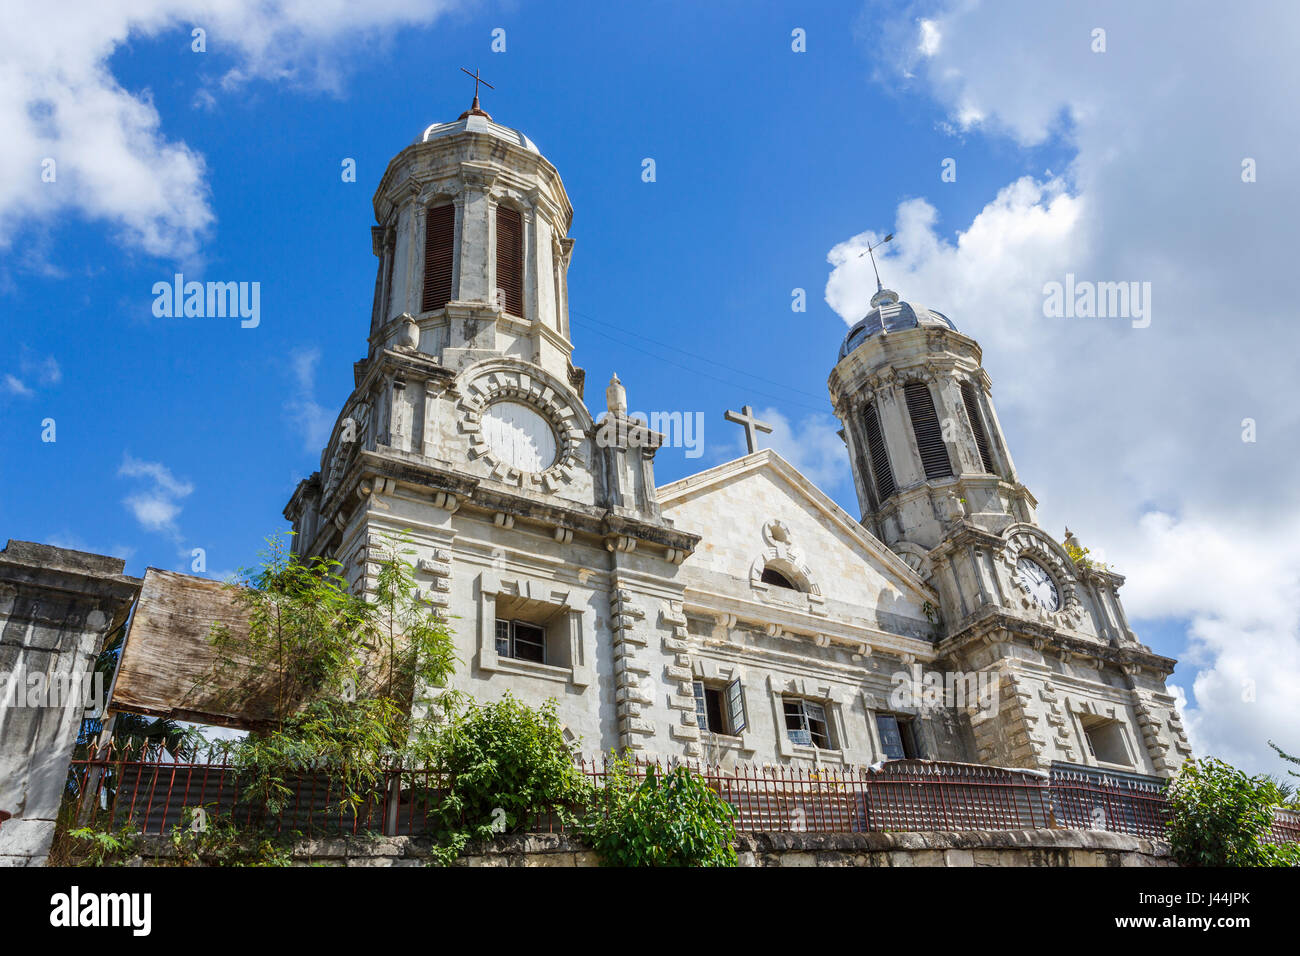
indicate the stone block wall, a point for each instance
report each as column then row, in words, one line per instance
column 1002, row 848
column 56, row 608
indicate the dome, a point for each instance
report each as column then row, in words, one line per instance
column 476, row 121
column 889, row 314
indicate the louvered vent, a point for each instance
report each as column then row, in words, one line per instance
column 439, row 243
column 880, row 469
column 929, row 436
column 977, row 424
column 510, row 260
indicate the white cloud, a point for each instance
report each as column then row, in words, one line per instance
column 49, row 372
column 15, row 386
column 1133, row 436
column 112, row 160
column 812, row 445
column 45, row 372
column 930, row 38
column 312, row 420
column 157, row 505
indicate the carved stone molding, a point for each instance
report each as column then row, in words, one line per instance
column 526, row 385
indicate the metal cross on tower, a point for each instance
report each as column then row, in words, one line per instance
column 871, row 251
column 477, row 80
column 751, row 424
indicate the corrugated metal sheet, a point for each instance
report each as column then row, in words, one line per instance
column 156, row 798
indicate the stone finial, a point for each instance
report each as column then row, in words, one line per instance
column 1071, row 541
column 408, row 335
column 616, row 397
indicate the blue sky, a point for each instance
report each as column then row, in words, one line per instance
column 745, row 133
column 771, row 167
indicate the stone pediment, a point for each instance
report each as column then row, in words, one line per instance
column 760, row 511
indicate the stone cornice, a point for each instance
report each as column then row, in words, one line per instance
column 791, row 622
column 27, row 564
column 415, row 365
column 456, row 490
column 423, row 163
column 995, row 622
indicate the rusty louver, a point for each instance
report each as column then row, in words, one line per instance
column 439, row 243
column 510, row 260
column 977, row 424
column 880, row 469
column 929, row 436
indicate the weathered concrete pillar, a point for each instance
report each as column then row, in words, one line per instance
column 56, row 608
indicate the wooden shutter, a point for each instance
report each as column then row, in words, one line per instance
column 891, row 741
column 879, row 455
column 510, row 260
column 929, row 436
column 439, row 243
column 969, row 399
column 736, row 706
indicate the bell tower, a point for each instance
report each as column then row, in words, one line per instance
column 467, row 419
column 473, row 248
column 924, row 440
column 533, row 525
column 935, row 482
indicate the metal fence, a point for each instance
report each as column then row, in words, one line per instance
column 151, row 791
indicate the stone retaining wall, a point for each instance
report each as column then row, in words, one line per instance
column 1049, row 848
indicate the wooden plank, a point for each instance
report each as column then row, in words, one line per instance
column 168, row 662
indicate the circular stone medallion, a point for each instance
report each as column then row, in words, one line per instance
column 519, row 436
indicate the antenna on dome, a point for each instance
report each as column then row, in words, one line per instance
column 475, row 108
column 871, row 251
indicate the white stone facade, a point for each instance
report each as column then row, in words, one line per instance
column 652, row 601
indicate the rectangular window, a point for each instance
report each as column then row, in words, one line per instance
column 439, row 244
column 719, row 709
column 805, row 723
column 925, row 426
column 510, row 261
column 897, row 738
column 1106, row 742
column 521, row 640
column 713, row 707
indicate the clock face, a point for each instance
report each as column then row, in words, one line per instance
column 1040, row 585
column 519, row 436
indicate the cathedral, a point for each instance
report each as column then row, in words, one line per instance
column 737, row 615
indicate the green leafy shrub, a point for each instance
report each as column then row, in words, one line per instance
column 671, row 818
column 505, row 763
column 1219, row 815
column 88, row 846
column 213, row 840
column 350, row 681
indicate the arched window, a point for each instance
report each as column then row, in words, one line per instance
column 510, row 260
column 879, row 454
column 971, row 401
column 929, row 436
column 439, row 244
column 773, row 576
